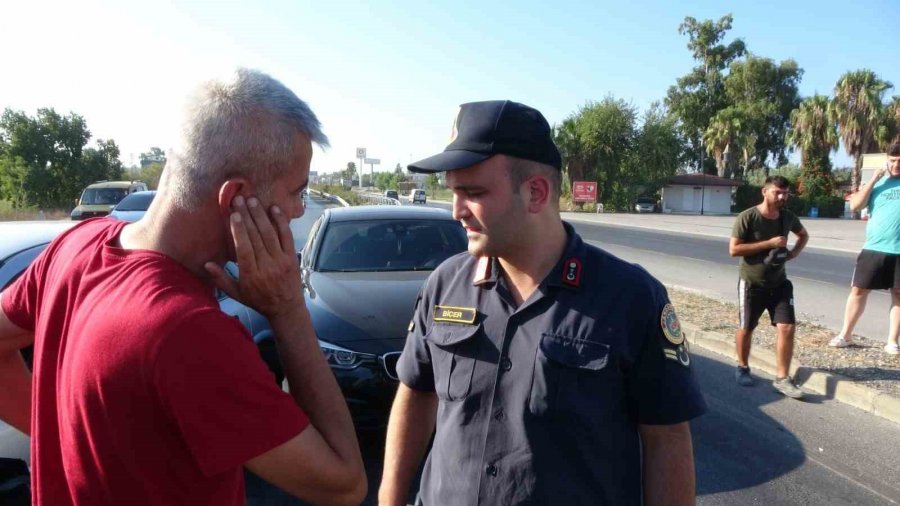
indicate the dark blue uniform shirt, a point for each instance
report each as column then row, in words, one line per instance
column 540, row 403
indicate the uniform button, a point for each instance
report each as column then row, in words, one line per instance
column 506, row 364
column 491, row 470
column 499, row 415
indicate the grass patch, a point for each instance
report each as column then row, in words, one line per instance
column 10, row 213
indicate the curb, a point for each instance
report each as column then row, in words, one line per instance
column 833, row 386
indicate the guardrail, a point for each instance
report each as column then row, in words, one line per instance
column 371, row 199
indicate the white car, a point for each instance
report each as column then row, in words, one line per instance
column 417, row 196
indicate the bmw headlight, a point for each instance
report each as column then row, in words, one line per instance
column 342, row 358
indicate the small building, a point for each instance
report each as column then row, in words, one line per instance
column 870, row 162
column 698, row 193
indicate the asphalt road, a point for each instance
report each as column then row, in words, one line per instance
column 753, row 446
column 821, row 277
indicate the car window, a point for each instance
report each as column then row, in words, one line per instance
column 12, row 267
column 389, row 245
column 102, row 196
column 136, row 202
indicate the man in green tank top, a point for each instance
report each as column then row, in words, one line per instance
column 759, row 237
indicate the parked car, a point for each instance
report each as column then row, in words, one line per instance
column 646, row 205
column 133, row 207
column 98, row 199
column 362, row 269
column 391, row 194
column 417, row 195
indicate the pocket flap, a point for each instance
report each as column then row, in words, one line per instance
column 447, row 334
column 573, row 352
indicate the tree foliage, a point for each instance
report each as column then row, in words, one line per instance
column 602, row 142
column 858, row 110
column 45, row 160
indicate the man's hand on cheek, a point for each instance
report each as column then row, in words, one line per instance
column 264, row 248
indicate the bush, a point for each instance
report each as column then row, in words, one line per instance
column 746, row 196
column 830, row 207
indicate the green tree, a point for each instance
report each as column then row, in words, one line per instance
column 765, row 93
column 657, row 152
column 433, row 182
column 813, row 131
column 151, row 175
column 857, row 110
column 349, row 172
column 700, row 94
column 729, row 138
column 53, row 151
column 889, row 128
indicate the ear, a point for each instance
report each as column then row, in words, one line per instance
column 230, row 189
column 538, row 193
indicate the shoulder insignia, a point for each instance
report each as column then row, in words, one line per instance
column 679, row 354
column 454, row 314
column 671, row 327
column 482, row 270
column 412, row 326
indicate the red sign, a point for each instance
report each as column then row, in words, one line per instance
column 584, row 191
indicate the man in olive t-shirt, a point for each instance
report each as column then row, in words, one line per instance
column 759, row 237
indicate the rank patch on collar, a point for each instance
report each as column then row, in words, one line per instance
column 454, row 314
column 482, row 270
column 572, row 272
column 671, row 327
column 412, row 326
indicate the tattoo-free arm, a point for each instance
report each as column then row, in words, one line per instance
column 15, row 379
column 668, row 465
column 409, row 430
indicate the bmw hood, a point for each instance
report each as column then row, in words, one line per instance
column 348, row 307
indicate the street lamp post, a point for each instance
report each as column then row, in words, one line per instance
column 703, row 183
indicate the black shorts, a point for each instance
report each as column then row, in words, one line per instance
column 876, row 271
column 753, row 300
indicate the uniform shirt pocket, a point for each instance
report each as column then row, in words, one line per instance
column 453, row 348
column 571, row 377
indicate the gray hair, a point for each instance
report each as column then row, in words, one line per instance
column 245, row 126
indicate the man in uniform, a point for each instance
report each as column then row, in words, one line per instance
column 550, row 371
column 759, row 237
column 878, row 264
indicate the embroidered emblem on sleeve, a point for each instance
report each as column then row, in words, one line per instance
column 671, row 327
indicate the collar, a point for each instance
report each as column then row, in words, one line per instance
column 487, row 271
column 566, row 273
column 568, row 270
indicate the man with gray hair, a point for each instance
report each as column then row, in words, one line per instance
column 143, row 391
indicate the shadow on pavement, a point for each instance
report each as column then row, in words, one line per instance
column 736, row 444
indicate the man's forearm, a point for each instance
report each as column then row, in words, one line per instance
column 860, row 199
column 312, row 383
column 15, row 401
column 749, row 249
column 409, row 430
column 802, row 239
column 668, row 465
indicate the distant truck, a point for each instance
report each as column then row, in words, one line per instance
column 99, row 198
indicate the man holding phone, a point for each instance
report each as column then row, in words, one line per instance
column 878, row 264
column 759, row 237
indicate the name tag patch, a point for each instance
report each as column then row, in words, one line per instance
column 454, row 314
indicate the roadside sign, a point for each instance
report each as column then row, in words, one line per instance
column 373, row 161
column 584, row 191
column 360, row 152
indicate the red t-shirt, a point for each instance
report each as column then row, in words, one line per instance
column 144, row 391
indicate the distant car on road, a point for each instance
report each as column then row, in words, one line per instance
column 391, row 194
column 417, row 196
column 646, row 205
column 362, row 269
column 133, row 207
column 98, row 199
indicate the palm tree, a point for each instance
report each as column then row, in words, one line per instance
column 727, row 136
column 572, row 149
column 889, row 129
column 857, row 110
column 813, row 130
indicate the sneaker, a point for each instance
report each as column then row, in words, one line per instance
column 840, row 341
column 742, row 376
column 787, row 388
column 891, row 349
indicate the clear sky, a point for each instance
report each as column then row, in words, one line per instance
column 389, row 76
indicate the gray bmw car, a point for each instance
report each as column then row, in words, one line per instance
column 362, row 269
